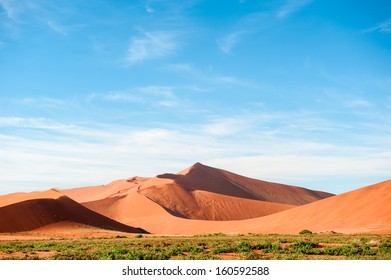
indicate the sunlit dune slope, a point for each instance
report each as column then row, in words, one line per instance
column 85, row 194
column 23, row 212
column 207, row 193
column 366, row 209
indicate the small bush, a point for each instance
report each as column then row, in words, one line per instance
column 122, row 236
column 306, row 231
column 305, row 247
column 385, row 247
column 242, row 247
column 138, row 236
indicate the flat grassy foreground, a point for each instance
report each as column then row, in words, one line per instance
column 204, row 247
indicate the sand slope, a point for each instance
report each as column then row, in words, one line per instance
column 366, row 209
column 202, row 177
column 199, row 200
column 92, row 193
column 204, row 205
column 23, row 212
column 207, row 193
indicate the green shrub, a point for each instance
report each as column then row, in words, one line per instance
column 306, row 231
column 242, row 247
column 385, row 247
column 304, row 247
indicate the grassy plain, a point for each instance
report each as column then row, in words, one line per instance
column 204, row 247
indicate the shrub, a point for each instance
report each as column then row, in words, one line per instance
column 306, row 231
column 242, row 247
column 385, row 247
column 305, row 247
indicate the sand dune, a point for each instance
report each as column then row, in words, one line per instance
column 207, row 193
column 197, row 200
column 202, row 177
column 23, row 212
column 366, row 209
column 85, row 194
column 20, row 197
column 204, row 205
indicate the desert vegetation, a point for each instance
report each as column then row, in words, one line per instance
column 204, row 247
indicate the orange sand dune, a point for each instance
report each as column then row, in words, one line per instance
column 199, row 200
column 19, row 197
column 364, row 210
column 85, row 194
column 28, row 211
column 203, row 205
column 207, row 193
column 136, row 209
column 202, row 177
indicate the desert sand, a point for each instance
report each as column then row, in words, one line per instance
column 198, row 200
column 29, row 211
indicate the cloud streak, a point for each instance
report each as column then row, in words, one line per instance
column 227, row 43
column 160, row 96
column 256, row 22
column 208, row 77
column 152, row 45
column 383, row 27
column 291, row 7
column 10, row 8
column 265, row 146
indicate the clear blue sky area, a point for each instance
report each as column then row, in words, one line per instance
column 291, row 91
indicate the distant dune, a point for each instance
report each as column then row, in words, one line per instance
column 197, row 200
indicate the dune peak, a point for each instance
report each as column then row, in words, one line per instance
column 190, row 168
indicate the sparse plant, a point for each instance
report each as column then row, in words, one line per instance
column 203, row 247
column 306, row 231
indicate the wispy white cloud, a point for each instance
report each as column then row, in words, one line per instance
column 208, row 76
column 256, row 22
column 290, row 7
column 117, row 96
column 295, row 168
column 229, row 41
column 10, row 8
column 383, row 27
column 358, row 103
column 277, row 146
column 37, row 123
column 57, row 28
column 158, row 96
column 347, row 99
column 152, row 45
column 249, row 24
column 226, row 127
column 42, row 102
column 149, row 9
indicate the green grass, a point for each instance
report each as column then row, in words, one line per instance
column 204, row 247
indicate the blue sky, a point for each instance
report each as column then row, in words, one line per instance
column 291, row 91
